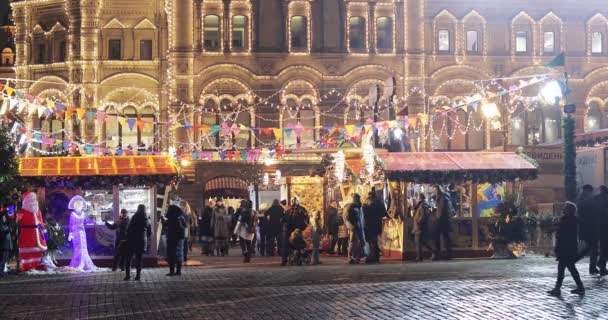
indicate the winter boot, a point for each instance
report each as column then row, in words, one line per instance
column 179, row 269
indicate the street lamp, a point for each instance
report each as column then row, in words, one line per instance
column 492, row 114
column 551, row 92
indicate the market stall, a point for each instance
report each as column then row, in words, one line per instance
column 107, row 184
column 475, row 179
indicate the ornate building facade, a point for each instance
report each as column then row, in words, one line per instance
column 306, row 62
column 7, row 36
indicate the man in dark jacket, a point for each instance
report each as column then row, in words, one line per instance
column 205, row 231
column 138, row 232
column 373, row 212
column 566, row 250
column 588, row 226
column 176, row 235
column 296, row 217
column 331, row 224
column 443, row 224
column 6, row 242
column 275, row 214
column 356, row 224
column 120, row 244
column 601, row 207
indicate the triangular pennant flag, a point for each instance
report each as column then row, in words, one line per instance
column 69, row 111
column 60, row 107
column 298, row 129
column 140, row 124
column 41, row 111
column 131, row 122
column 205, row 129
column 122, row 121
column 278, row 133
column 350, row 128
column 187, row 124
column 558, row 61
column 80, row 112
column 413, row 122
column 9, row 90
column 50, row 103
column 66, row 145
column 288, row 132
column 243, row 154
column 22, row 105
column 90, row 115
column 215, row 129
column 225, row 129
column 235, row 129
column 4, row 107
column 110, row 118
column 88, row 149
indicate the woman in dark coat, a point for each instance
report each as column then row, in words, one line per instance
column 566, row 250
column 6, row 242
column 176, row 234
column 138, row 232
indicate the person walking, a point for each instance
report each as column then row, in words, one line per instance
column 374, row 212
column 601, row 207
column 566, row 250
column 138, row 232
column 274, row 215
column 342, row 245
column 192, row 222
column 315, row 236
column 296, row 217
column 443, row 225
column 245, row 229
column 205, row 230
column 420, row 226
column 219, row 225
column 120, row 244
column 355, row 222
column 263, row 235
column 176, row 236
column 588, row 227
column 331, row 223
column 6, row 242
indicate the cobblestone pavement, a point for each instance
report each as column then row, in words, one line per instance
column 462, row 289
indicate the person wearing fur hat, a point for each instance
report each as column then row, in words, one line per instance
column 32, row 243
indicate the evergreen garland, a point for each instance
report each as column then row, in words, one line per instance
column 569, row 151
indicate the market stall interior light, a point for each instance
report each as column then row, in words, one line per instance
column 551, row 92
column 490, row 110
column 185, row 162
column 397, row 133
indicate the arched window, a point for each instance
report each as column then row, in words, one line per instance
column 534, row 127
column 384, row 33
column 597, row 43
column 521, row 42
column 552, row 124
column 211, row 33
column 243, row 119
column 443, row 41
column 356, row 33
column 593, row 121
column 209, row 118
column 299, row 30
column 472, row 41
column 128, row 135
column 307, row 120
column 239, row 33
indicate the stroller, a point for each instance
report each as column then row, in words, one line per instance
column 300, row 249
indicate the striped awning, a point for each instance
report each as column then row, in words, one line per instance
column 226, row 187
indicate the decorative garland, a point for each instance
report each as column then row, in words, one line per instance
column 92, row 182
column 569, row 151
column 460, row 176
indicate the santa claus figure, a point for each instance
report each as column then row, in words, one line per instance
column 32, row 243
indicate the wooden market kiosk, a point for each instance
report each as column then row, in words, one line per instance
column 476, row 175
column 108, row 184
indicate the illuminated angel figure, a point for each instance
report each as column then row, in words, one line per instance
column 78, row 237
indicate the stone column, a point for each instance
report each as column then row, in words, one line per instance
column 371, row 27
column 198, row 15
column 226, row 26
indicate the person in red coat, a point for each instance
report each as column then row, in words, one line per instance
column 32, row 243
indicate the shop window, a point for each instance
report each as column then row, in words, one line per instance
column 597, row 46
column 384, row 33
column 145, row 50
column 521, row 42
column 239, row 32
column 443, row 40
column 211, row 32
column 472, row 41
column 299, row 29
column 114, row 50
column 549, row 42
column 41, row 54
column 356, row 33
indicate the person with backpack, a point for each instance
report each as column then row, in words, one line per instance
column 176, row 236
column 420, row 226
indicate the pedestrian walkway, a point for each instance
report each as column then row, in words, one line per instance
column 464, row 289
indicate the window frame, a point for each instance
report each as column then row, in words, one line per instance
column 439, row 43
column 389, row 34
column 110, row 47
column 553, row 46
column 218, row 47
column 245, row 33
column 362, row 36
column 517, row 36
column 601, row 39
column 141, row 52
column 476, row 44
column 304, row 34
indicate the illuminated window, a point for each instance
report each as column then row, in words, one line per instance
column 443, row 38
column 472, row 41
column 211, row 32
column 145, row 50
column 521, row 41
column 548, row 42
column 384, row 33
column 299, row 31
column 356, row 33
column 239, row 32
column 114, row 50
column 597, row 40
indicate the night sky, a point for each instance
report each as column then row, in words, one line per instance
column 4, row 7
